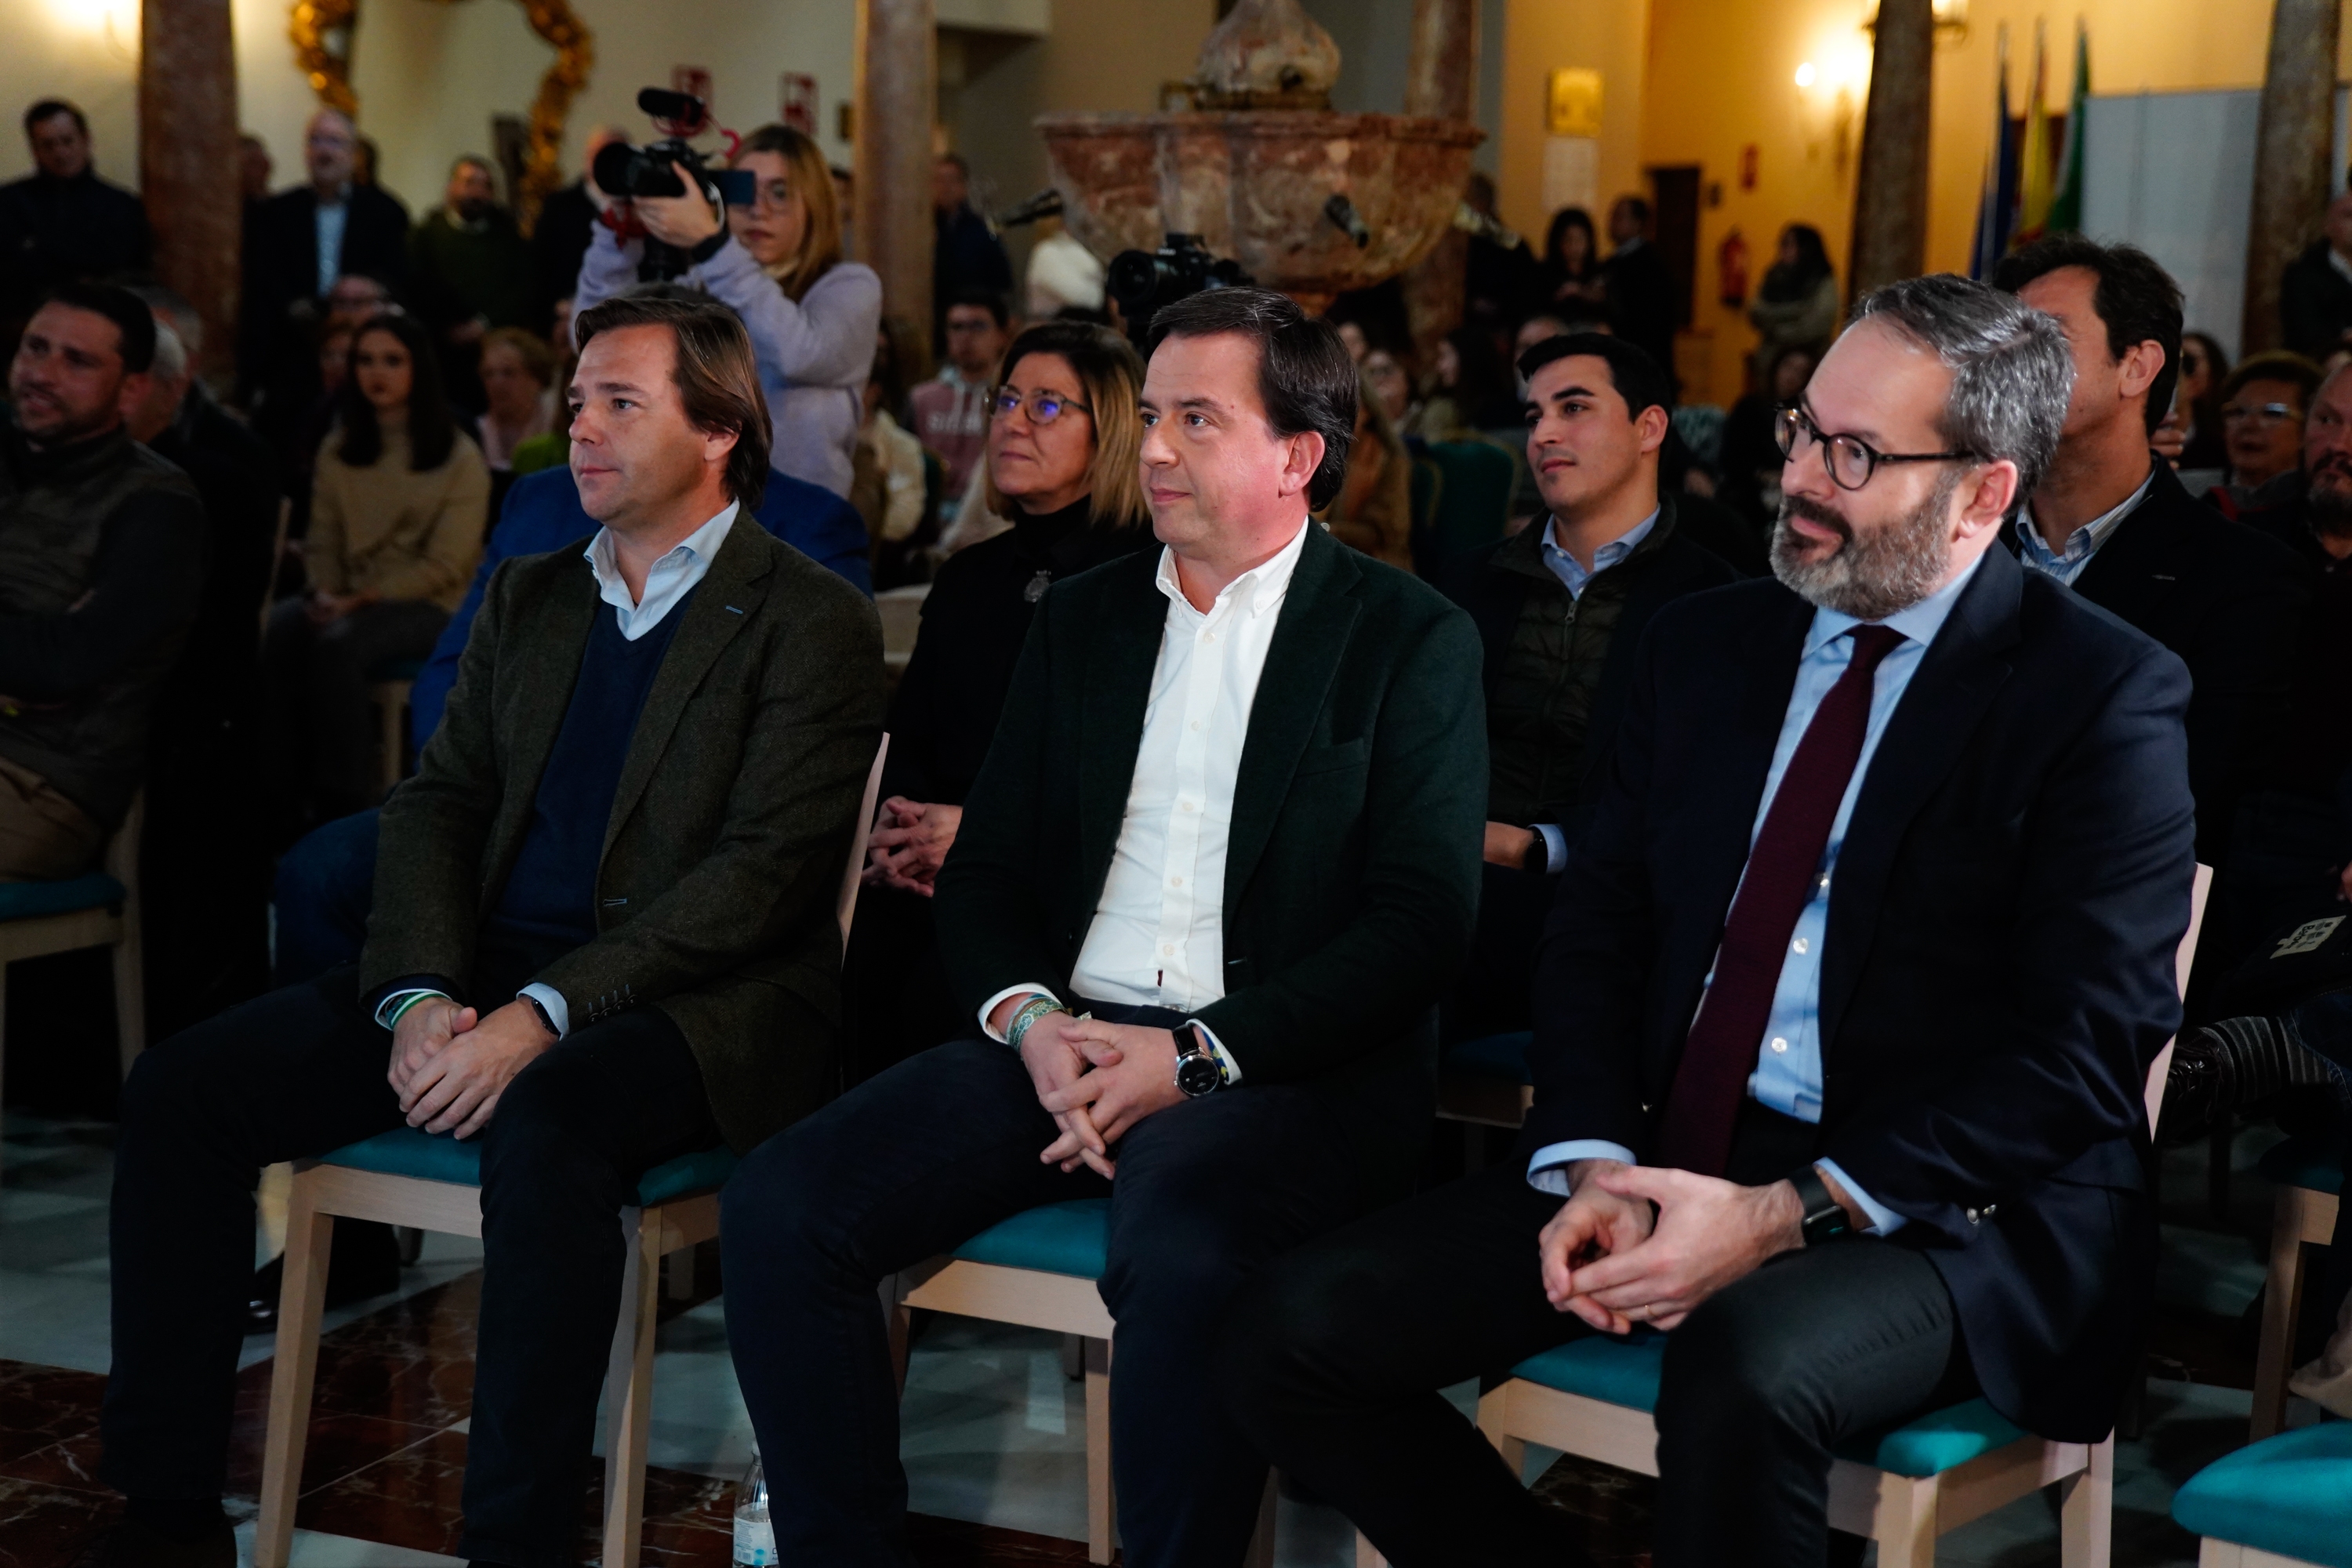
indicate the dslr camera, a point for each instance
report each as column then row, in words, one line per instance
column 623, row 170
column 1144, row 281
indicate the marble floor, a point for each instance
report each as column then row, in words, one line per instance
column 993, row 1431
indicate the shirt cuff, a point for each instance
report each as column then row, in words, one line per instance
column 1224, row 1057
column 990, row 1006
column 389, row 1008
column 559, row 1011
column 1883, row 1221
column 1547, row 1172
column 1555, row 846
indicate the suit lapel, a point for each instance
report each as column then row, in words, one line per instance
column 1956, row 680
column 1120, row 652
column 2138, row 568
column 730, row 595
column 1310, row 639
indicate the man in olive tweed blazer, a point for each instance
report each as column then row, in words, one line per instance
column 603, row 938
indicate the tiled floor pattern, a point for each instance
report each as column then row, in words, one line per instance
column 994, row 1432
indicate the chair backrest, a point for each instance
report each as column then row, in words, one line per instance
column 846, row 906
column 2183, row 961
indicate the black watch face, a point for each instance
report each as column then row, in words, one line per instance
column 1199, row 1074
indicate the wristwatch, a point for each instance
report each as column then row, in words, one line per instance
column 1538, row 857
column 1198, row 1070
column 1825, row 1219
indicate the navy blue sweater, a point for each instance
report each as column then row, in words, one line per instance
column 550, row 894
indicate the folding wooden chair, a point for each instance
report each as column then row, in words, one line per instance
column 98, row 909
column 2310, row 1181
column 406, row 1178
column 2286, row 1502
column 1593, row 1397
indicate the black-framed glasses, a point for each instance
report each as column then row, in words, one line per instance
column 1849, row 459
column 1043, row 408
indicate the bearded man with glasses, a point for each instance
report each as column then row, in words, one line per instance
column 1841, row 1018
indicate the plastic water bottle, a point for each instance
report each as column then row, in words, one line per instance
column 755, row 1536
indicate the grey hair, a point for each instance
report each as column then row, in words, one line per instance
column 172, row 308
column 171, row 353
column 2011, row 372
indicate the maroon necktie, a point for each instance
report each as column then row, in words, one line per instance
column 1721, row 1051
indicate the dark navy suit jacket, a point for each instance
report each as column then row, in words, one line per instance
column 1998, row 974
column 542, row 513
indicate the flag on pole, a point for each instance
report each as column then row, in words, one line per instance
column 1995, row 207
column 2066, row 205
column 2033, row 192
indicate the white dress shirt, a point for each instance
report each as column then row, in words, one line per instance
column 1158, row 938
column 669, row 579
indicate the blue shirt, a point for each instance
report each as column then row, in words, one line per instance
column 329, row 218
column 2067, row 565
column 1788, row 1076
column 1572, row 571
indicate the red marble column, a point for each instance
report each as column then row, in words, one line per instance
column 1440, row 81
column 898, row 99
column 1890, row 196
column 188, row 160
column 2292, row 152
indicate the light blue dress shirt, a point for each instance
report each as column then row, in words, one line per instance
column 1788, row 1076
column 329, row 218
column 670, row 579
column 1573, row 576
column 2034, row 554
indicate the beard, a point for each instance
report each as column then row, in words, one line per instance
column 2328, row 498
column 1870, row 575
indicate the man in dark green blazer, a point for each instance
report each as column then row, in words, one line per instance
column 604, row 937
column 1220, row 865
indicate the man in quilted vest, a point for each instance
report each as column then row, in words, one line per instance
column 101, row 563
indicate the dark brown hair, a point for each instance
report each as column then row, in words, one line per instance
column 2134, row 297
column 716, row 378
column 1305, row 377
column 432, row 432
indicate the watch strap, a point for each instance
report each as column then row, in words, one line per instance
column 1825, row 1219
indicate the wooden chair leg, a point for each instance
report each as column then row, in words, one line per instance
column 1074, row 1356
column 1102, row 1502
column 2086, row 1512
column 1493, row 1422
column 1261, row 1546
column 2281, row 1304
column 1907, row 1522
column 629, row 1389
column 309, row 1244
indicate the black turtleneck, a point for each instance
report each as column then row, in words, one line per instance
column 974, row 622
column 145, row 578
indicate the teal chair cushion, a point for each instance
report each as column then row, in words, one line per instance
column 2303, row 1162
column 1058, row 1238
column 26, row 900
column 1503, row 1057
column 405, row 1152
column 397, row 669
column 1626, row 1372
column 2291, row 1494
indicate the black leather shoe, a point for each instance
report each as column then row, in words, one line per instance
column 366, row 1262
column 127, row 1543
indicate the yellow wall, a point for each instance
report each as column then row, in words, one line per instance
column 1539, row 37
column 86, row 51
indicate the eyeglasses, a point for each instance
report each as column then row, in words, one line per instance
column 1043, row 408
column 1849, row 459
column 2266, row 414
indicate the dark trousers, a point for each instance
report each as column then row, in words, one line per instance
column 322, row 734
column 324, row 889
column 929, row 1153
column 1331, row 1360
column 302, row 1071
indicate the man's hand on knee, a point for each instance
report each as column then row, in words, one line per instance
column 420, row 1034
column 1055, row 1060
column 1709, row 1234
column 1593, row 1224
column 459, row 1088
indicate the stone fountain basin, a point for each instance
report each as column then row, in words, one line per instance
column 1252, row 183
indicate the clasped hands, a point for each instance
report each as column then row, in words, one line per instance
column 449, row 1064
column 1614, row 1261
column 910, row 843
column 1097, row 1079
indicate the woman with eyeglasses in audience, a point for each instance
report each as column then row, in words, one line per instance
column 1064, row 439
column 777, row 263
column 2263, row 405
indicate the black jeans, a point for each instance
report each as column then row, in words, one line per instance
column 302, row 1071
column 1332, row 1360
column 929, row 1153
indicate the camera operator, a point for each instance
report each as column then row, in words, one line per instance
column 777, row 264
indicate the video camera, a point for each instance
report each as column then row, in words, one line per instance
column 1144, row 281
column 622, row 170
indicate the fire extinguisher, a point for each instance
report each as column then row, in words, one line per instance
column 1731, row 265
